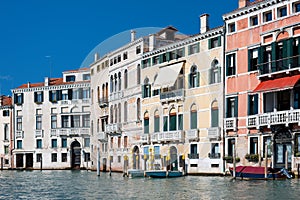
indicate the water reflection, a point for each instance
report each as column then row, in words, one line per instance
column 86, row 185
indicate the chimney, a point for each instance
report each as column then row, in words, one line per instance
column 96, row 57
column 133, row 35
column 243, row 3
column 152, row 42
column 204, row 27
column 28, row 84
column 46, row 81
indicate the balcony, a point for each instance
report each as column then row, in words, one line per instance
column 103, row 102
column 172, row 95
column 193, row 156
column 113, row 129
column 73, row 131
column 214, row 132
column 53, row 132
column 39, row 133
column 277, row 66
column 230, row 123
column 144, row 139
column 116, row 96
column 102, row 137
column 19, row 134
column 274, row 118
column 214, row 155
column 167, row 136
column 192, row 134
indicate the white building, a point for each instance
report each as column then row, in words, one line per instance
column 52, row 122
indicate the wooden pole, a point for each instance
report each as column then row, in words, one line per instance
column 266, row 160
column 98, row 161
column 286, row 159
column 298, row 169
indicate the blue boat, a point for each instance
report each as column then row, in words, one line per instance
column 163, row 174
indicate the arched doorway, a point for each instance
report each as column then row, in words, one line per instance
column 104, row 165
column 136, row 157
column 282, row 148
column 75, row 155
column 173, row 159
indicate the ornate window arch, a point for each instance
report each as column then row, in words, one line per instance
column 194, row 77
column 215, row 72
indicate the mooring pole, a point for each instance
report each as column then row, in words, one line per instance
column 286, row 159
column 266, row 160
column 41, row 163
column 98, row 161
column 234, row 161
column 298, row 169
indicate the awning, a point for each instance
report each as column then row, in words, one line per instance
column 284, row 83
column 167, row 76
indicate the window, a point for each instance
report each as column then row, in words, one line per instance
column 138, row 109
column 85, row 120
column 120, row 83
column 119, row 142
column 232, row 107
column 172, row 120
column 64, row 142
column 125, row 141
column 215, row 72
column 111, row 158
column 125, row 55
column 146, row 63
column 157, row 152
column 180, row 53
column 6, row 149
column 193, row 116
column 156, row 121
column 76, row 94
column 112, row 142
column 5, row 113
column 70, row 78
column 254, row 20
column 138, row 74
column 64, row 157
column 75, row 121
column 54, row 143
column 19, row 144
column 267, row 16
column 180, row 121
column 296, row 7
column 38, row 143
column 54, row 157
column 194, row 77
column 230, row 146
column 125, row 111
column 64, row 95
column 215, row 114
column 65, row 121
column 54, row 96
column 194, row 48
column 231, row 27
column 38, row 125
column 155, row 60
column 138, row 49
column 19, row 123
column 146, row 123
column 38, row 157
column 215, row 151
column 214, row 42
column 230, row 65
column 194, row 151
column 6, row 132
column 146, row 89
column 282, row 12
column 119, row 58
column 252, row 59
column 125, row 79
column 86, row 93
column 18, row 99
column 86, row 142
column 253, row 104
column 53, row 121
column 253, row 145
column 165, row 121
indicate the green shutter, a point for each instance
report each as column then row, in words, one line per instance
column 35, row 97
column 210, row 74
column 198, row 79
column 209, row 44
column 249, row 60
column 189, row 81
column 214, row 118
column 227, row 65
column 219, row 41
column 183, row 51
column 260, row 60
column 172, row 122
column 219, row 74
column 149, row 90
column 255, row 104
column 284, row 54
column 274, row 49
column 42, row 96
column 143, row 91
column 193, row 120
column 198, row 47
column 180, row 122
column 146, row 125
column 168, row 56
column 234, row 64
column 290, row 52
column 189, row 49
column 156, row 124
column 165, row 119
column 161, row 58
column 249, row 105
column 50, row 96
column 236, row 106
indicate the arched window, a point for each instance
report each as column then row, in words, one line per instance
column 125, row 79
column 111, row 114
column 119, row 111
column 146, row 122
column 125, row 111
column 103, row 91
column 119, row 75
column 111, row 83
column 156, row 121
column 138, row 109
column 193, row 116
column 116, row 114
column 98, row 125
column 6, row 132
column 146, row 88
column 98, row 94
column 116, row 83
column 215, row 72
column 172, row 119
column 138, row 74
column 214, row 114
column 106, row 91
column 194, row 77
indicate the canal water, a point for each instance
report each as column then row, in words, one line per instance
column 87, row 185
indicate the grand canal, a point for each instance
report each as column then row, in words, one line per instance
column 87, row 185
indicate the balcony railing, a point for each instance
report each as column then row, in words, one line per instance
column 214, row 132
column 279, row 65
column 230, row 123
column 193, row 156
column 39, row 133
column 167, row 136
column 19, row 134
column 116, row 96
column 113, row 128
column 102, row 136
column 192, row 134
column 274, row 118
column 103, row 102
column 172, row 95
column 144, row 138
column 53, row 132
column 73, row 131
column 214, row 155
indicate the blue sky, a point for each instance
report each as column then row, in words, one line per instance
column 67, row 30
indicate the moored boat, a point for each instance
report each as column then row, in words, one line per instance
column 163, row 174
column 256, row 172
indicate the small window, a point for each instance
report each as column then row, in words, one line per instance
column 86, row 77
column 87, row 157
column 267, row 16
column 38, row 143
column 138, row 49
column 155, row 60
column 282, row 12
column 64, row 157
column 296, row 7
column 254, row 20
column 119, row 58
column 119, row 159
column 38, row 157
column 19, row 144
column 231, row 27
column 146, row 123
column 86, row 142
column 253, row 145
column 253, row 59
column 230, row 146
column 194, row 48
column 54, row 143
column 125, row 55
column 6, row 149
column 54, row 157
column 5, row 113
column 70, row 78
column 214, row 42
column 230, row 67
column 38, row 125
column 64, row 142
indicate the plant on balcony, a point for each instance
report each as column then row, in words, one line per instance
column 229, row 159
column 252, row 157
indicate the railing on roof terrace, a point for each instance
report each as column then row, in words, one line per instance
column 279, row 65
column 274, row 118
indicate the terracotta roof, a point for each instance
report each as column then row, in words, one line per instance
column 6, row 101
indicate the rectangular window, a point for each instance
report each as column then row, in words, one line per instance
column 65, row 121
column 253, row 145
column 267, row 141
column 125, row 56
column 180, row 121
column 138, row 49
column 38, row 143
column 230, row 65
column 111, row 159
column 86, row 77
column 75, row 121
column 5, row 113
column 214, row 42
column 54, row 143
column 38, row 157
column 6, row 132
column 215, row 150
column 156, row 152
column 38, row 97
column 70, row 78
column 252, row 59
column 19, row 144
column 194, row 149
column 194, row 48
column 172, row 122
column 64, row 157
column 254, row 20
column 64, row 142
column 87, row 157
column 119, row 159
column 146, row 63
column 165, row 120
column 230, row 146
column 112, row 142
column 18, row 99
column 38, row 125
column 180, row 53
column 282, row 12
column 54, row 157
column 296, row 7
column 146, row 91
column 85, row 120
column 53, row 122
column 86, row 93
column 231, row 27
column 146, row 125
column 193, row 119
column 86, row 142
column 6, row 149
column 232, row 107
column 253, row 104
column 125, row 141
column 155, row 60
column 156, row 124
column 267, row 16
column 19, row 123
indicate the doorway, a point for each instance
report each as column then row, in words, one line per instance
column 136, row 157
column 29, row 160
column 283, row 149
column 104, row 165
column 173, row 159
column 19, row 161
column 75, row 155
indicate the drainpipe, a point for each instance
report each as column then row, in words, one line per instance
column 223, row 95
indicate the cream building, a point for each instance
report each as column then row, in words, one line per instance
column 52, row 122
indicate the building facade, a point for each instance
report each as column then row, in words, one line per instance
column 52, row 122
column 6, row 132
column 261, row 86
